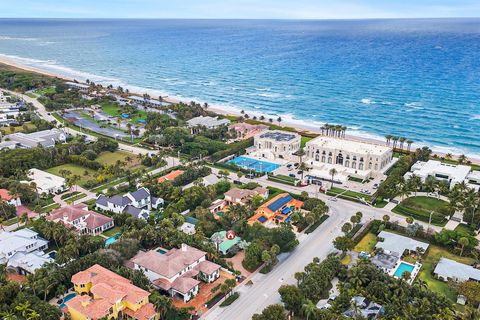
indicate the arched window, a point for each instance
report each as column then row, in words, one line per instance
column 323, row 159
column 347, row 163
column 370, row 165
column 354, row 165
column 376, row 166
column 330, row 160
column 360, row 166
column 317, row 157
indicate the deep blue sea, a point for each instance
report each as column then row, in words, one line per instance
column 414, row 78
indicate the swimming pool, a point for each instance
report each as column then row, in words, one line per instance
column 112, row 239
column 254, row 164
column 403, row 267
column 161, row 251
column 68, row 297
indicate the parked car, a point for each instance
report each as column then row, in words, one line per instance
column 299, row 172
column 249, row 176
column 292, row 175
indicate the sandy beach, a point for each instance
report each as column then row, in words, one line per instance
column 230, row 112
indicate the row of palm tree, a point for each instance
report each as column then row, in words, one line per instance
column 261, row 118
column 398, row 142
column 333, row 130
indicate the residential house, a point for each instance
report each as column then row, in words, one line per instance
column 82, row 220
column 177, row 271
column 8, row 198
column 225, row 245
column 365, row 308
column 78, row 86
column 448, row 269
column 22, row 250
column 197, row 123
column 236, row 196
column 275, row 144
column 102, row 293
column 396, row 245
column 46, row 182
column 45, row 138
column 138, row 203
column 276, row 210
column 170, row 176
column 245, row 130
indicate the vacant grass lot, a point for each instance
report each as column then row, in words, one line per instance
column 433, row 255
column 10, row 130
column 367, row 244
column 109, row 158
column 84, row 173
column 420, row 208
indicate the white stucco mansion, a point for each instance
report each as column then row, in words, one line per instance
column 350, row 158
column 275, row 144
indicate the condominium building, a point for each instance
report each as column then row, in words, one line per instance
column 349, row 158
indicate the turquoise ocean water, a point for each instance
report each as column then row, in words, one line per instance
column 414, row 78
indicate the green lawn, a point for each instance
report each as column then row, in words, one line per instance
column 420, row 208
column 433, row 255
column 367, row 244
column 44, row 91
column 348, row 194
column 465, row 229
column 76, row 170
column 112, row 232
column 115, row 111
column 10, row 130
column 75, row 198
column 109, row 158
column 304, row 141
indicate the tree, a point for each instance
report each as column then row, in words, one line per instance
column 292, row 298
column 386, row 218
column 333, row 172
column 309, row 309
column 463, row 241
column 272, row 312
column 409, row 220
column 471, row 290
column 346, row 227
column 343, row 244
column 355, row 219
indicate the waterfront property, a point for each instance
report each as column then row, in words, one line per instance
column 276, row 210
column 251, row 163
column 77, row 86
column 275, row 145
column 82, row 220
column 451, row 173
column 45, row 138
column 177, row 271
column 196, row 124
column 102, row 293
column 349, row 158
column 23, row 250
column 138, row 203
column 46, row 182
column 245, row 130
column 448, row 269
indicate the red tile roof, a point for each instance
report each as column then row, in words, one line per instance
column 170, row 176
column 70, row 213
column 5, row 195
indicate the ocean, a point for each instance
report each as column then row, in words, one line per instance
column 419, row 79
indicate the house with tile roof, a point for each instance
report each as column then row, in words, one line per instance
column 236, row 196
column 23, row 250
column 138, row 203
column 13, row 200
column 102, row 293
column 276, row 210
column 80, row 219
column 177, row 271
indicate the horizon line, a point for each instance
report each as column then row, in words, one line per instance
column 258, row 19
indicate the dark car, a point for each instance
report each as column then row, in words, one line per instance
column 292, row 175
column 299, row 172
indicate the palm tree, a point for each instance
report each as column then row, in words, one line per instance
column 333, row 172
column 462, row 159
column 162, row 304
column 409, row 144
column 463, row 241
column 395, row 140
column 309, row 309
column 402, row 140
column 279, row 119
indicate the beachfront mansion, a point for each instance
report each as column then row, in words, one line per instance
column 350, row 158
column 275, row 145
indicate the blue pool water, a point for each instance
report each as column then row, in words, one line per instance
column 68, row 297
column 161, row 251
column 254, row 164
column 403, row 267
column 112, row 239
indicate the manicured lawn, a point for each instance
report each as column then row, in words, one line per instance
column 304, row 140
column 44, row 91
column 465, row 229
column 433, row 255
column 110, row 158
column 112, row 232
column 420, row 208
column 76, row 170
column 7, row 130
column 115, row 111
column 75, row 198
column 367, row 244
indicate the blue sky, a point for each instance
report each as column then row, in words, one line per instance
column 268, row 9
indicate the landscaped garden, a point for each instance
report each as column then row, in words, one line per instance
column 433, row 255
column 421, row 207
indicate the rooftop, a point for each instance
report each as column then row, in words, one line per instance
column 278, row 135
column 207, row 121
column 170, row 176
column 348, row 145
column 397, row 244
column 447, row 268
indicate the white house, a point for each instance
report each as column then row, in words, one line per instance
column 138, row 203
column 45, row 138
column 350, row 158
column 451, row 173
column 13, row 200
column 22, row 250
column 207, row 122
column 77, row 86
column 177, row 271
column 275, row 144
column 46, row 182
column 449, row 269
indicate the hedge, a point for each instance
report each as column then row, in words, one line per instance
column 230, row 300
column 437, row 219
column 316, row 224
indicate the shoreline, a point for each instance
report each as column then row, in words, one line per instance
column 4, row 59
